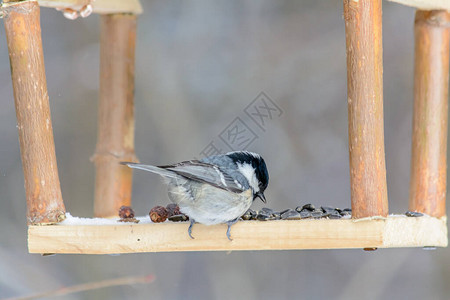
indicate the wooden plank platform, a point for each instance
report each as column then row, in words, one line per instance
column 391, row 232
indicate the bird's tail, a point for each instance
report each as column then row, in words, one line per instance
column 150, row 168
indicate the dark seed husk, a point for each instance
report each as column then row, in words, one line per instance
column 178, row 218
column 264, row 217
column 283, row 211
column 305, row 214
column 266, row 214
column 327, row 209
column 335, row 215
column 413, row 214
column 249, row 215
column 346, row 213
column 309, row 207
column 261, row 217
column 317, row 214
column 277, row 215
column 266, row 211
column 246, row 217
column 291, row 214
column 325, row 215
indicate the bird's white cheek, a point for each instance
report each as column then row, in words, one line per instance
column 249, row 173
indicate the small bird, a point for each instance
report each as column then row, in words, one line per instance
column 216, row 189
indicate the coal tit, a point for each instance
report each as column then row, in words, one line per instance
column 216, row 189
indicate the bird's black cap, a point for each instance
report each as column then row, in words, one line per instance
column 257, row 162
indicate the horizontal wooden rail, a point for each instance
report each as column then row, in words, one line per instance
column 114, row 237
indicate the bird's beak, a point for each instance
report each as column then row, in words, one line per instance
column 261, row 196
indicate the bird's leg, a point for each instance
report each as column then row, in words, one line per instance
column 229, row 223
column 190, row 228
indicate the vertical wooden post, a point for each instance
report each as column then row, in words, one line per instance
column 23, row 33
column 429, row 143
column 363, row 31
column 115, row 114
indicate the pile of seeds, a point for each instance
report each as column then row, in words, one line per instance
column 301, row 212
column 172, row 213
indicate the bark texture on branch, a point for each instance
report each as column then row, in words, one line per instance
column 115, row 114
column 429, row 143
column 43, row 192
column 363, row 30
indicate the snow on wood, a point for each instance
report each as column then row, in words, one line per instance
column 71, row 220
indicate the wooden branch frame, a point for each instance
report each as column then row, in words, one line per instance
column 42, row 186
column 428, row 186
column 394, row 231
column 365, row 107
column 115, row 142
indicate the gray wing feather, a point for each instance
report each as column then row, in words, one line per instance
column 152, row 169
column 207, row 173
column 195, row 170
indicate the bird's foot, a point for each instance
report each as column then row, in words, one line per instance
column 229, row 223
column 190, row 228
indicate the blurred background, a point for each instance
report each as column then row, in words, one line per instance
column 198, row 66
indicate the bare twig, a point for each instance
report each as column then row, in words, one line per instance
column 90, row 286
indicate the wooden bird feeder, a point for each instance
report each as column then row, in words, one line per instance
column 370, row 226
